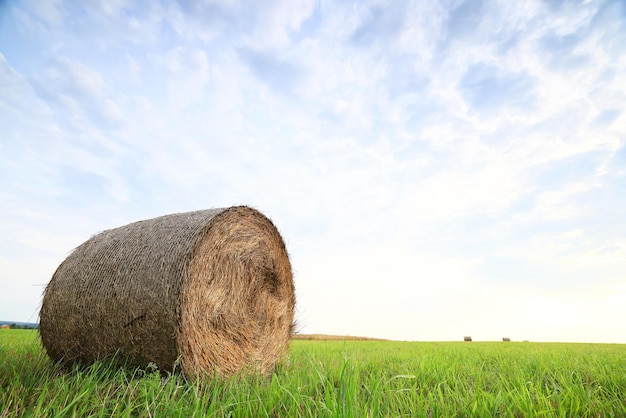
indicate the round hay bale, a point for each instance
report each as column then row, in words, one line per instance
column 210, row 290
column 466, row 338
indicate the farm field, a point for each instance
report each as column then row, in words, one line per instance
column 334, row 379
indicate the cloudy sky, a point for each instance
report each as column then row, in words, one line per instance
column 437, row 169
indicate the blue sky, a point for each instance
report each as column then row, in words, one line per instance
column 437, row 169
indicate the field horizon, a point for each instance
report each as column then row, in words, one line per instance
column 349, row 337
column 339, row 337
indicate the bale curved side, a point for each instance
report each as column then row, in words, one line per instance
column 212, row 289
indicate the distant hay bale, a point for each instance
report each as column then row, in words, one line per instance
column 467, row 338
column 207, row 291
column 5, row 326
column 506, row 339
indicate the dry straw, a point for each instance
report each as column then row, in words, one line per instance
column 211, row 290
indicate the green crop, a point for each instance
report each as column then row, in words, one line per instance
column 333, row 379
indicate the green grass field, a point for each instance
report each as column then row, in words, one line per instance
column 334, row 379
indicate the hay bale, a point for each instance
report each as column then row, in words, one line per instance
column 506, row 339
column 211, row 290
column 5, row 326
column 469, row 339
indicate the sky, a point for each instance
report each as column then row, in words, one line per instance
column 437, row 169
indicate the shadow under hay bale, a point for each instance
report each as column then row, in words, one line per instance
column 469, row 339
column 209, row 291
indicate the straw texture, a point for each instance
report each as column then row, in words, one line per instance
column 211, row 290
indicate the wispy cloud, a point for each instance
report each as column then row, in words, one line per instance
column 280, row 75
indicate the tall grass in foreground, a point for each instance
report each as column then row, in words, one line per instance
column 334, row 379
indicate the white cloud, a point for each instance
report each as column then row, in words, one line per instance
column 277, row 20
column 18, row 98
column 190, row 74
column 47, row 11
column 557, row 205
